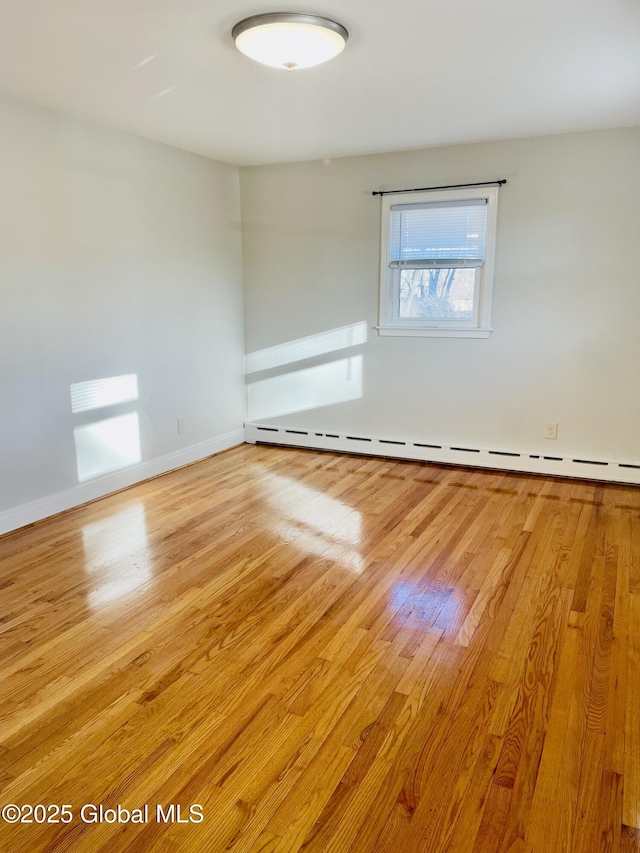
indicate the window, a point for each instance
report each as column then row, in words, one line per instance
column 436, row 265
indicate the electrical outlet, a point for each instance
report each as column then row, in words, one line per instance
column 181, row 426
column 551, row 431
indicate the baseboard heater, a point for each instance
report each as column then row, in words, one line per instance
column 504, row 460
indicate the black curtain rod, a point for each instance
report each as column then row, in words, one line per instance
column 449, row 187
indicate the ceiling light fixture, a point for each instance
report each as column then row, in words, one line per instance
column 289, row 40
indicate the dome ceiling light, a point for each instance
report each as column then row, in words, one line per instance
column 289, row 40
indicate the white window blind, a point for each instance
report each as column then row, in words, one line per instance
column 438, row 234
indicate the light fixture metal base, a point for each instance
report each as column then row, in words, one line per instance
column 288, row 18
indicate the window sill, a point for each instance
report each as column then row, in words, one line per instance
column 425, row 332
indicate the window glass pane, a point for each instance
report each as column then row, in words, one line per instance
column 436, row 293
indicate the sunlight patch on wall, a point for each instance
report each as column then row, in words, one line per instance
column 309, row 347
column 107, row 446
column 311, row 388
column 98, row 393
column 117, row 557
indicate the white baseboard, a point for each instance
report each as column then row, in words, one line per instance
column 20, row 516
column 574, row 465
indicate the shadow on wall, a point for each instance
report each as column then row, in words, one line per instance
column 324, row 384
column 109, row 444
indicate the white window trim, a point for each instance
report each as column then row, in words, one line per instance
column 441, row 329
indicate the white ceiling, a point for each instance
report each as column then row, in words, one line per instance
column 414, row 73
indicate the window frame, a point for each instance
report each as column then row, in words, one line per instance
column 479, row 326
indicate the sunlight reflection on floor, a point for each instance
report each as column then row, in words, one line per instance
column 312, row 520
column 117, row 555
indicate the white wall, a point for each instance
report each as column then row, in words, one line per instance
column 117, row 255
column 566, row 345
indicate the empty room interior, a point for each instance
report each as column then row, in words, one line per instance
column 320, row 427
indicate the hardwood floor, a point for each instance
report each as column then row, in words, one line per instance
column 329, row 654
